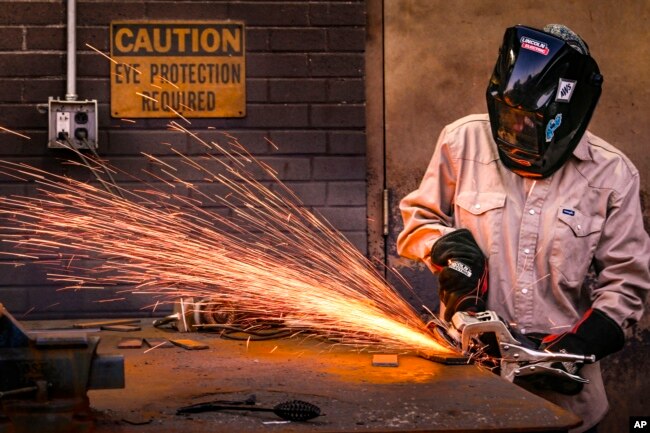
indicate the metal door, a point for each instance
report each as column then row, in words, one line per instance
column 436, row 65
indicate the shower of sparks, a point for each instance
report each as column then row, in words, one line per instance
column 271, row 256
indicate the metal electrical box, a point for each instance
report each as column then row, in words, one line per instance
column 72, row 124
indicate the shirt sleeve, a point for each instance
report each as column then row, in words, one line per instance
column 622, row 259
column 427, row 212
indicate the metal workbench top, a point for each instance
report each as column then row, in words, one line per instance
column 354, row 396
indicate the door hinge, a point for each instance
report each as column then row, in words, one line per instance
column 385, row 211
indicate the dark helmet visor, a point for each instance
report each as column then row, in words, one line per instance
column 519, row 129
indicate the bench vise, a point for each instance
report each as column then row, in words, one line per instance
column 45, row 376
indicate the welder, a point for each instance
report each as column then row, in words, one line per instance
column 524, row 212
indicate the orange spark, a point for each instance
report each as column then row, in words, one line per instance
column 99, row 52
column 146, row 96
column 178, row 114
column 15, row 133
column 165, row 80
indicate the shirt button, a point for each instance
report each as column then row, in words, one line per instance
column 579, row 227
column 477, row 206
column 523, row 330
column 524, row 291
column 532, row 211
column 526, row 251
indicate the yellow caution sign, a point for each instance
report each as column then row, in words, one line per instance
column 177, row 68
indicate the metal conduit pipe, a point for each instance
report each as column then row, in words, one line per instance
column 71, row 94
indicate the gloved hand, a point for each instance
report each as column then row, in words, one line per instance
column 462, row 280
column 595, row 334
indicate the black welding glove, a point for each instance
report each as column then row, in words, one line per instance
column 462, row 280
column 595, row 334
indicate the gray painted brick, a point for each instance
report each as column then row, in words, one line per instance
column 338, row 115
column 97, row 37
column 30, row 273
column 45, row 38
column 339, row 168
column 253, row 141
column 297, row 39
column 338, row 14
column 26, row 64
column 11, row 90
column 347, row 142
column 136, row 142
column 102, row 13
column 309, row 193
column 11, row 38
column 150, row 191
column 346, row 193
column 213, row 190
column 185, row 10
column 345, row 218
column 276, row 65
column 294, row 168
column 14, row 300
column 277, row 116
column 188, row 171
column 39, row 90
column 11, row 189
column 257, row 90
column 271, row 14
column 346, row 39
column 80, row 303
column 43, row 12
column 290, row 90
column 336, row 65
column 91, row 64
column 16, row 146
column 359, row 239
column 22, row 116
column 257, row 39
column 346, row 90
column 288, row 142
column 92, row 88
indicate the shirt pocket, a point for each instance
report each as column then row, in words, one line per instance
column 482, row 214
column 574, row 243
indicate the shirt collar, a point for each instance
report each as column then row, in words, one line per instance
column 582, row 149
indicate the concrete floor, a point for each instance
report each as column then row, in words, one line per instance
column 353, row 395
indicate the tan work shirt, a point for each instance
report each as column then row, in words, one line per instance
column 540, row 236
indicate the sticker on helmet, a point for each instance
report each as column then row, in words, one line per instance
column 534, row 45
column 565, row 90
column 552, row 125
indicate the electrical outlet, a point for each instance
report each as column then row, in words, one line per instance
column 72, row 124
column 62, row 126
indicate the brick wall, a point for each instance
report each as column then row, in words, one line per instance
column 305, row 93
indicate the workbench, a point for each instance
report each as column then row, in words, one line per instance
column 354, row 396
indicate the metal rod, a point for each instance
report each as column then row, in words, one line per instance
column 71, row 94
column 18, row 391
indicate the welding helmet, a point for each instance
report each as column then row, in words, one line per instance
column 540, row 98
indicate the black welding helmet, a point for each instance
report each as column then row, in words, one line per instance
column 540, row 98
